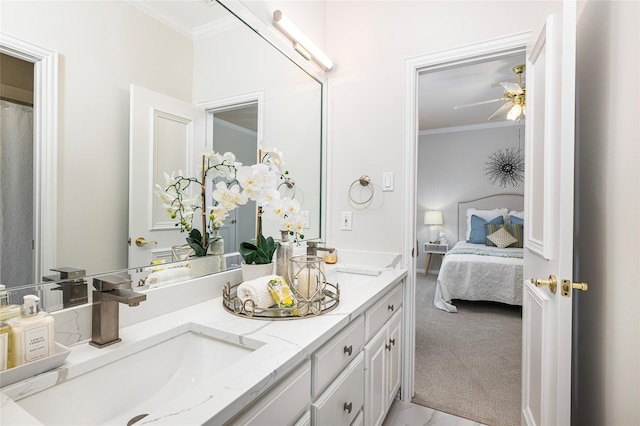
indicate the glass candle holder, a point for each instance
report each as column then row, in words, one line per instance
column 307, row 278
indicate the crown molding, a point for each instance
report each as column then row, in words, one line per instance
column 468, row 128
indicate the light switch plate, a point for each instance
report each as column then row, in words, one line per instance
column 304, row 215
column 345, row 221
column 387, row 181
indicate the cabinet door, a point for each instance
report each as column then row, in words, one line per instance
column 375, row 388
column 394, row 356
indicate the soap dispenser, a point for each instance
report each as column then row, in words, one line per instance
column 32, row 333
column 6, row 311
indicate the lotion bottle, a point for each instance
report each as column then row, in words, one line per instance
column 6, row 311
column 32, row 333
column 4, row 345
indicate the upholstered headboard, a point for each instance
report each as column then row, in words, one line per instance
column 509, row 201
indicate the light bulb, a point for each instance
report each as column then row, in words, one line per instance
column 514, row 112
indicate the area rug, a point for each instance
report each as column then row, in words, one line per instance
column 468, row 363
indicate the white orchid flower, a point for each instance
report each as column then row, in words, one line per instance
column 292, row 207
column 228, row 197
column 275, row 210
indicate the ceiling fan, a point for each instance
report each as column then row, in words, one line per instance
column 514, row 94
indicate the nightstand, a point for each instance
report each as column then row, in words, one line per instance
column 434, row 248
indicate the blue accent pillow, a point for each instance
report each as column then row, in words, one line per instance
column 478, row 234
column 515, row 220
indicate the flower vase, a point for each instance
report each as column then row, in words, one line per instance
column 253, row 271
column 284, row 253
column 216, row 252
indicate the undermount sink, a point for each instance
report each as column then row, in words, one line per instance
column 123, row 391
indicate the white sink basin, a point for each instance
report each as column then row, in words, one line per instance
column 139, row 383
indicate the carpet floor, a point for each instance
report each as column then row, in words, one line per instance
column 468, row 363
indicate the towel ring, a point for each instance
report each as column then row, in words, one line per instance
column 290, row 184
column 364, row 181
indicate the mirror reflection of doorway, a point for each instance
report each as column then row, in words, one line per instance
column 16, row 171
column 235, row 129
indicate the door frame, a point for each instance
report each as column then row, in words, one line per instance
column 413, row 67
column 45, row 147
column 220, row 104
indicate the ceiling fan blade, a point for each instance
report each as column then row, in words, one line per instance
column 479, row 103
column 501, row 111
column 511, row 87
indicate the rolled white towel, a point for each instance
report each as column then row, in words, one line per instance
column 257, row 291
column 167, row 275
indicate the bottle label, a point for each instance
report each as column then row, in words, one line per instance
column 4, row 347
column 36, row 344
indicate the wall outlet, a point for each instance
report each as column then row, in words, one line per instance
column 304, row 215
column 345, row 221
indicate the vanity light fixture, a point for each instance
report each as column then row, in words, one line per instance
column 301, row 42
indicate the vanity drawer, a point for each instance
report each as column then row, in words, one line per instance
column 382, row 311
column 343, row 400
column 330, row 359
column 284, row 403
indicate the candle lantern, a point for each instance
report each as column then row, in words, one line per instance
column 307, row 279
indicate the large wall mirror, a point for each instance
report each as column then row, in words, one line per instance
column 102, row 48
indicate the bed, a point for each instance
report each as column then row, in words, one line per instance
column 471, row 269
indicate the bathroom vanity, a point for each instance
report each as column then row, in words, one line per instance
column 181, row 362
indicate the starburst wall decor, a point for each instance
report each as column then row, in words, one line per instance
column 505, row 167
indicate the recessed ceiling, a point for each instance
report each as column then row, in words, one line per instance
column 441, row 90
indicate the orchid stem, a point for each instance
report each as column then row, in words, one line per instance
column 204, row 213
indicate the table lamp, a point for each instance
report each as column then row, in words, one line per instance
column 433, row 218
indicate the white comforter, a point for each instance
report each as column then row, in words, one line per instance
column 479, row 277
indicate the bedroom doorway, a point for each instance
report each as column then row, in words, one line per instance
column 447, row 140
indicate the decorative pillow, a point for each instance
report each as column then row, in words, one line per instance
column 513, row 229
column 516, row 220
column 501, row 238
column 478, row 234
column 486, row 215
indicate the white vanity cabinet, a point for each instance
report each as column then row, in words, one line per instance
column 351, row 380
column 383, row 356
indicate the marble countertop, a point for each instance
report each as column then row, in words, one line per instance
column 286, row 344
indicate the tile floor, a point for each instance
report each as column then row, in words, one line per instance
column 408, row 414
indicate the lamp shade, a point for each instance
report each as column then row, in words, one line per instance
column 433, row 218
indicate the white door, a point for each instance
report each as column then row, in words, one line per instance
column 166, row 134
column 546, row 352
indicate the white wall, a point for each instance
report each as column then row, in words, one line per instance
column 104, row 46
column 450, row 170
column 370, row 41
column 607, row 386
column 291, row 104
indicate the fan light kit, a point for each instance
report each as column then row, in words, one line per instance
column 514, row 94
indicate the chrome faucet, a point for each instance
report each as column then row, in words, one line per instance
column 110, row 291
column 313, row 248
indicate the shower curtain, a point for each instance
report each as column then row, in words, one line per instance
column 16, row 194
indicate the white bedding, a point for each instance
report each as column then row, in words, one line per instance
column 479, row 277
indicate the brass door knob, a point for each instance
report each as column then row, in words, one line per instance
column 552, row 283
column 140, row 241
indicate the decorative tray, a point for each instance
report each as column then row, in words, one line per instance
column 304, row 309
column 31, row 369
